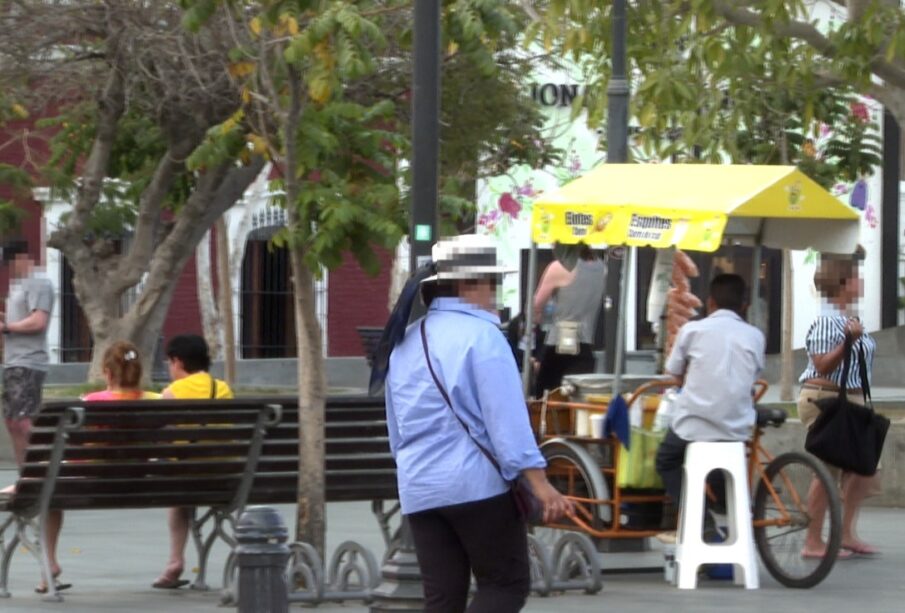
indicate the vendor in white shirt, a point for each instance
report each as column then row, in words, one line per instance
column 717, row 359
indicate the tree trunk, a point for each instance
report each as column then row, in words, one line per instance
column 311, row 524
column 225, row 301
column 211, row 321
column 311, row 518
column 142, row 331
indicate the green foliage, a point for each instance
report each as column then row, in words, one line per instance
column 16, row 181
column 710, row 89
column 348, row 189
column 222, row 143
column 353, row 121
column 10, row 217
column 138, row 147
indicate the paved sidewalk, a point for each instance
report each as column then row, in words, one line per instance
column 113, row 556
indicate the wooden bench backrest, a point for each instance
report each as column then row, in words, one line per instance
column 134, row 453
column 359, row 465
column 143, row 453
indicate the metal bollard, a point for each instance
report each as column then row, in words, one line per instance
column 262, row 556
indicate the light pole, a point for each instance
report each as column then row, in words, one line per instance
column 401, row 588
column 617, row 153
column 425, row 130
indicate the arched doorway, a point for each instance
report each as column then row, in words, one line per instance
column 268, row 325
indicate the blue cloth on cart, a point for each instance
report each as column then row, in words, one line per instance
column 617, row 422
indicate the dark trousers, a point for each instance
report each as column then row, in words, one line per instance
column 670, row 461
column 554, row 365
column 485, row 537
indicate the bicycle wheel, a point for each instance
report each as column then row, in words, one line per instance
column 782, row 519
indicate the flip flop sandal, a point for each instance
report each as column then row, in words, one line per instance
column 862, row 550
column 843, row 554
column 170, row 584
column 42, row 589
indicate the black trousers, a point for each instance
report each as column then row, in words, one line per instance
column 670, row 460
column 554, row 365
column 485, row 537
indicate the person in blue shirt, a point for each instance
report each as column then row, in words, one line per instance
column 463, row 518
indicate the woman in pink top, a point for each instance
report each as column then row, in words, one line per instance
column 122, row 371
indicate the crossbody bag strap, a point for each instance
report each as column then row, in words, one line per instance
column 862, row 373
column 846, row 366
column 443, row 393
column 213, row 387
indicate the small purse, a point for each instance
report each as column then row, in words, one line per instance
column 567, row 338
column 845, row 434
column 529, row 507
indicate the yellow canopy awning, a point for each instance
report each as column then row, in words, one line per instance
column 694, row 206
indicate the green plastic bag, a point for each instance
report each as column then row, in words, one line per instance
column 638, row 466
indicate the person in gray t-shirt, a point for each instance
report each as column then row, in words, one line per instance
column 24, row 328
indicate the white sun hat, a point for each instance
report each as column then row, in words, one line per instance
column 467, row 256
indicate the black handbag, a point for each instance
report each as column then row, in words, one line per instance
column 845, row 434
column 529, row 507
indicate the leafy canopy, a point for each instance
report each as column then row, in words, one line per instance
column 707, row 87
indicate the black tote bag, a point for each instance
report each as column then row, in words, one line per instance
column 845, row 434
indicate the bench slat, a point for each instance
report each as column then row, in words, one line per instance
column 132, row 435
column 201, row 449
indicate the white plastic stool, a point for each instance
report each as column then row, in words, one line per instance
column 738, row 548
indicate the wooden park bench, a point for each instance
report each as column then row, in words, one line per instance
column 133, row 454
column 213, row 454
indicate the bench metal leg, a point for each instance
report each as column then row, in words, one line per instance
column 203, row 545
column 36, row 546
column 198, row 540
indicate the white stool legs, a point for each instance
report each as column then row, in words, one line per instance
column 738, row 549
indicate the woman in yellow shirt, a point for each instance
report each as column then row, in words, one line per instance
column 188, row 359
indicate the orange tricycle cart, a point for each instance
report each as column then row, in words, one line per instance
column 618, row 495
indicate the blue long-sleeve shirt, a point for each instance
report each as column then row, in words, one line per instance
column 438, row 464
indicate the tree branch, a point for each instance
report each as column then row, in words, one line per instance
column 111, row 107
column 132, row 266
column 217, row 190
column 808, row 33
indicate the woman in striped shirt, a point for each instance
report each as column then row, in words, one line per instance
column 839, row 283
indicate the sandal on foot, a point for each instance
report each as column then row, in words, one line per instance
column 42, row 589
column 170, row 584
column 843, row 554
column 861, row 549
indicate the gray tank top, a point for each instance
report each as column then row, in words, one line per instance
column 581, row 300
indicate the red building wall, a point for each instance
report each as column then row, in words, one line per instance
column 184, row 316
column 12, row 153
column 354, row 299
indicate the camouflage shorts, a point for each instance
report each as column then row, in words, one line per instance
column 21, row 392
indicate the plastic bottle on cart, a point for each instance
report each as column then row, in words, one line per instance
column 663, row 416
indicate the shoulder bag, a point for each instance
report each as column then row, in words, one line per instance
column 529, row 507
column 845, row 434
